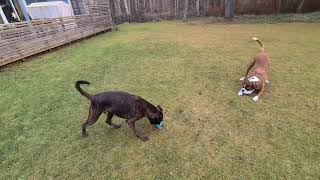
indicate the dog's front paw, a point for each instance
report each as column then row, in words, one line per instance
column 144, row 138
column 242, row 79
column 255, row 98
column 267, row 81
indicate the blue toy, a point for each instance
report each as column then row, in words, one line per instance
column 159, row 126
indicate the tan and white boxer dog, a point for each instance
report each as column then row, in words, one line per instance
column 258, row 74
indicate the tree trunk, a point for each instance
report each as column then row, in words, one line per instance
column 228, row 12
column 136, row 2
column 279, row 6
column 176, row 8
column 160, row 8
column 198, row 7
column 299, row 9
column 117, row 7
column 186, row 7
column 221, row 8
column 129, row 7
column 207, row 8
column 126, row 7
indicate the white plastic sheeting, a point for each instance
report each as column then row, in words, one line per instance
column 46, row 10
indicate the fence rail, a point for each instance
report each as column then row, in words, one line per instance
column 23, row 39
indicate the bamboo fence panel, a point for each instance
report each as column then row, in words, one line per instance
column 22, row 39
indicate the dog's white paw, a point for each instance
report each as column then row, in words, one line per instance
column 242, row 79
column 255, row 98
column 267, row 81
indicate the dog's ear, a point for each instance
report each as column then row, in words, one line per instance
column 160, row 108
column 256, row 85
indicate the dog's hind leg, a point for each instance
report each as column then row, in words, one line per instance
column 109, row 121
column 248, row 69
column 93, row 116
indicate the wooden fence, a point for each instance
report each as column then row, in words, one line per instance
column 23, row 39
column 146, row 10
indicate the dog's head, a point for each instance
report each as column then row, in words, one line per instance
column 249, row 86
column 156, row 118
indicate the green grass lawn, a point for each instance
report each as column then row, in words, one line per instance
column 192, row 70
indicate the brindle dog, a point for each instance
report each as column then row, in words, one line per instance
column 122, row 104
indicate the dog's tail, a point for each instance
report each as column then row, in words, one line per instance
column 85, row 94
column 260, row 43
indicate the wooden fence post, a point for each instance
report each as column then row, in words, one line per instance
column 228, row 12
column 186, row 8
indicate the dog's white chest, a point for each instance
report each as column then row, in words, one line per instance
column 253, row 79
